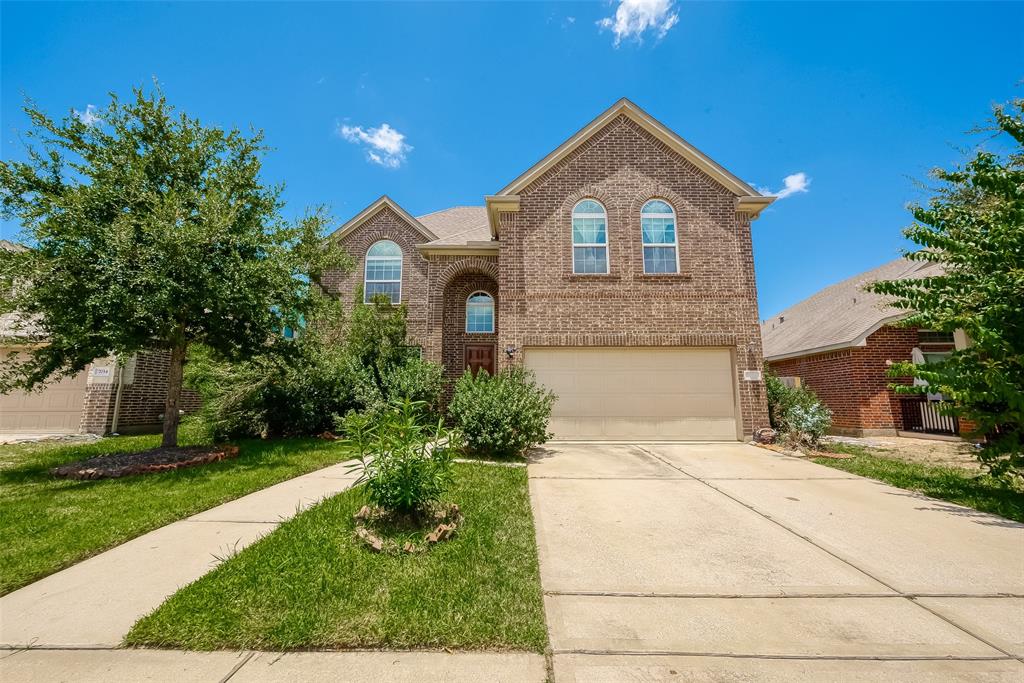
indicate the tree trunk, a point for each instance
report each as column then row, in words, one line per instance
column 172, row 405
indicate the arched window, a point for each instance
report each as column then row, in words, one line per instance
column 589, row 238
column 480, row 313
column 658, row 226
column 383, row 271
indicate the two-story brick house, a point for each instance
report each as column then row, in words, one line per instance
column 619, row 268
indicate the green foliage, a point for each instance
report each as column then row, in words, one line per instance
column 299, row 387
column 973, row 229
column 294, row 391
column 147, row 229
column 796, row 413
column 807, row 424
column 405, row 463
column 503, row 415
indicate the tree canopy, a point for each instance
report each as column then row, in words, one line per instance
column 145, row 229
column 974, row 229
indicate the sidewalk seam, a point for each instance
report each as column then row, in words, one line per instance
column 234, row 670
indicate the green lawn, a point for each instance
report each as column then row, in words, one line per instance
column 47, row 524
column 309, row 584
column 953, row 484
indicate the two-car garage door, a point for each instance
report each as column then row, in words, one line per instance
column 647, row 393
column 55, row 409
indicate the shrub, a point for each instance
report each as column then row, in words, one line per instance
column 405, row 463
column 294, row 390
column 796, row 413
column 503, row 415
column 807, row 424
column 298, row 387
column 417, row 380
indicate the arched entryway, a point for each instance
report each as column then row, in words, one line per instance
column 472, row 314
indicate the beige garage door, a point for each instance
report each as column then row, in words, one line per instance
column 638, row 393
column 55, row 409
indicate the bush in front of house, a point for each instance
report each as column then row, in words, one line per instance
column 295, row 390
column 299, row 386
column 404, row 461
column 503, row 415
column 796, row 413
column 807, row 424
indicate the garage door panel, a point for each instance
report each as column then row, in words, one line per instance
column 638, row 393
column 56, row 408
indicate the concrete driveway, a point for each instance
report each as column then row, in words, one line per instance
column 727, row 562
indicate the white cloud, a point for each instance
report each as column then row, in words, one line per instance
column 88, row 117
column 791, row 184
column 385, row 145
column 633, row 18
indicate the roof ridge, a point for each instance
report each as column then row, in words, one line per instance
column 457, row 206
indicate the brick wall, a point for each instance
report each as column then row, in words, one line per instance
column 142, row 400
column 454, row 335
column 854, row 383
column 711, row 302
column 386, row 224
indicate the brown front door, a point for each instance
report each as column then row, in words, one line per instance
column 480, row 356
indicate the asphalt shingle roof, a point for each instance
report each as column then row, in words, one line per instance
column 838, row 315
column 458, row 225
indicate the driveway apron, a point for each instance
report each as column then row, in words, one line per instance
column 729, row 562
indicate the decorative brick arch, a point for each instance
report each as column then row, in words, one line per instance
column 588, row 192
column 467, row 265
column 654, row 190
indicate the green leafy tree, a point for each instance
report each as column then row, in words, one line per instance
column 974, row 230
column 145, row 229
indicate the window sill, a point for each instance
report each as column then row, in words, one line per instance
column 664, row 277
column 576, row 277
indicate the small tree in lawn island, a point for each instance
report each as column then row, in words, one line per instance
column 974, row 229
column 144, row 229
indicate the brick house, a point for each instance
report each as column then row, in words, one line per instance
column 840, row 342
column 619, row 269
column 99, row 400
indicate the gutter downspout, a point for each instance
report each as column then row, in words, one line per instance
column 117, row 397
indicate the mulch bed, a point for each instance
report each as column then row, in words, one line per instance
column 442, row 520
column 144, row 462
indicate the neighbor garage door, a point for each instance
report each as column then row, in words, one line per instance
column 638, row 393
column 56, row 409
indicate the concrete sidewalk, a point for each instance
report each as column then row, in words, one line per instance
column 727, row 562
column 95, row 602
column 132, row 666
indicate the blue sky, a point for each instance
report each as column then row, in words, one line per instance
column 860, row 98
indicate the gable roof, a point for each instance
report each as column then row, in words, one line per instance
column 375, row 208
column 839, row 316
column 652, row 126
column 457, row 225
column 749, row 199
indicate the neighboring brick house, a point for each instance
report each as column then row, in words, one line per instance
column 840, row 343
column 87, row 402
column 619, row 268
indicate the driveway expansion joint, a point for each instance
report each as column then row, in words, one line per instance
column 237, row 667
column 745, row 655
column 830, row 552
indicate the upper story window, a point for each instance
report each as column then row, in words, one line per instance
column 589, row 238
column 658, row 226
column 383, row 271
column 480, row 313
column 934, row 337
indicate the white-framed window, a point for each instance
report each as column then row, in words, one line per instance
column 480, row 313
column 383, row 271
column 589, row 238
column 658, row 228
